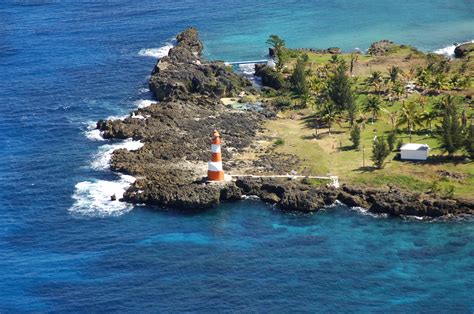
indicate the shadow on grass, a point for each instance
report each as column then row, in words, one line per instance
column 348, row 148
column 309, row 137
column 320, row 135
column 313, row 121
column 366, row 169
column 437, row 160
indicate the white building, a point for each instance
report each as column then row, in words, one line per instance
column 413, row 151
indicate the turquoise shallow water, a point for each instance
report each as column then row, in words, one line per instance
column 65, row 247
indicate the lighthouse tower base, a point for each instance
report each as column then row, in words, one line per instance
column 215, row 175
column 226, row 178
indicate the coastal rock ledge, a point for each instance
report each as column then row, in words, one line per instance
column 171, row 165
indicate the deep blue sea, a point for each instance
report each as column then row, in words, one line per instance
column 65, row 247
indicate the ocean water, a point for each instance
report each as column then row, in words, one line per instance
column 65, row 247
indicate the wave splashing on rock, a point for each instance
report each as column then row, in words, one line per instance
column 101, row 160
column 159, row 52
column 93, row 198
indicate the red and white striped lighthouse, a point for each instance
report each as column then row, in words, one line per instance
column 215, row 171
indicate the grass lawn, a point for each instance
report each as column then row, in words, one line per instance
column 334, row 154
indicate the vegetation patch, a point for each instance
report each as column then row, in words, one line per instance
column 348, row 114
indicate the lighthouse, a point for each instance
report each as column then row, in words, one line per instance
column 215, row 171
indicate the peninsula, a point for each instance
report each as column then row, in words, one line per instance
column 268, row 133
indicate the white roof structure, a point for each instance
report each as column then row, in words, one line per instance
column 413, row 151
column 414, row 146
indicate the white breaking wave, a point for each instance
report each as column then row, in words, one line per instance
column 142, row 103
column 247, row 69
column 94, row 135
column 365, row 212
column 101, row 160
column 117, row 117
column 156, row 52
column 92, row 132
column 449, row 50
column 93, row 198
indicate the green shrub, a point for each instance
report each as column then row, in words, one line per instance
column 355, row 136
column 391, row 138
column 279, row 142
column 282, row 102
column 379, row 152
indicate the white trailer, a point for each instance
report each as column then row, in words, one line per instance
column 413, row 151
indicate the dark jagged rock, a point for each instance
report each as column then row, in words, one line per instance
column 380, row 48
column 183, row 73
column 334, row 50
column 463, row 50
column 290, row 195
column 271, row 52
column 298, row 196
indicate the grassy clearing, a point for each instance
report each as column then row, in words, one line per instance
column 323, row 153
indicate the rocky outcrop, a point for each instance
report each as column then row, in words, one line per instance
column 330, row 50
column 175, row 132
column 380, row 48
column 182, row 73
column 299, row 196
column 463, row 50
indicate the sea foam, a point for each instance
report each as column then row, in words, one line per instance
column 92, row 133
column 156, row 52
column 247, row 69
column 101, row 160
column 93, row 198
column 143, row 103
column 448, row 51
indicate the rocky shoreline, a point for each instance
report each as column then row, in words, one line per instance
column 171, row 165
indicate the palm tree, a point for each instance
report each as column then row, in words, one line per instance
column 392, row 117
column 409, row 115
column 306, row 99
column 329, row 114
column 409, row 77
column 334, row 59
column 423, row 77
column 393, row 73
column 373, row 105
column 317, row 86
column 375, row 80
column 458, row 82
column 429, row 117
column 422, row 100
column 439, row 82
column 444, row 103
column 398, row 89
